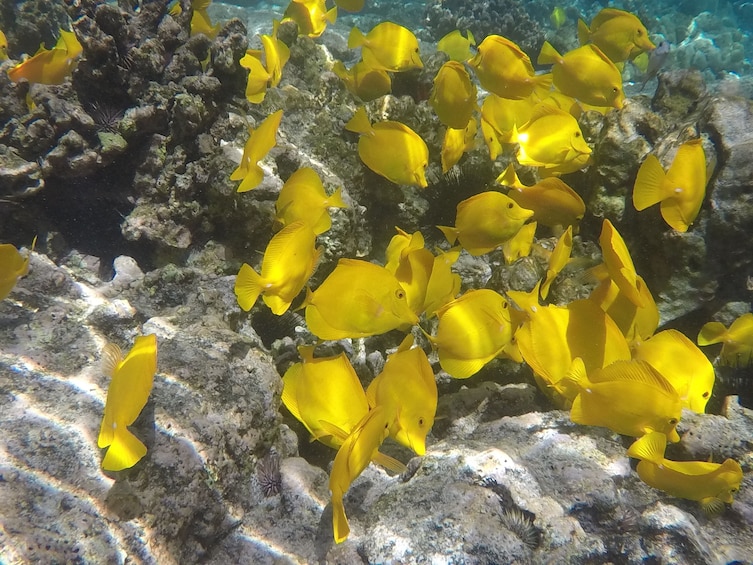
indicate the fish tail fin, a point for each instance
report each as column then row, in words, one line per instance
column 360, row 123
column 331, row 15
column 252, row 179
column 248, row 286
column 548, row 54
column 584, row 34
column 649, row 184
column 340, row 525
column 509, row 178
column 124, row 452
column 576, row 375
column 650, row 447
column 711, row 333
column 543, row 84
column 450, row 233
column 356, row 38
column 336, row 199
column 339, row 69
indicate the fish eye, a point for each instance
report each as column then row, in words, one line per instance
column 400, row 294
column 510, row 205
column 705, row 394
column 577, row 134
column 420, row 421
column 673, row 421
column 639, row 31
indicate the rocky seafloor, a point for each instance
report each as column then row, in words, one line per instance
column 123, row 172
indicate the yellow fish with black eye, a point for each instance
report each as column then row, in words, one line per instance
column 737, row 348
column 637, row 323
column 3, row 46
column 358, row 299
column 50, row 66
column 13, row 266
column 129, row 389
column 504, row 69
column 628, row 397
column 473, row 329
column 711, row 484
column 325, row 395
column 680, row 362
column 258, row 77
column 485, row 221
column 289, row 261
column 619, row 34
column 352, row 458
column 457, row 47
column 388, row 46
column 391, row 149
column 553, row 202
column 311, row 16
column 552, row 138
column 406, row 386
column 453, row 95
column 411, row 264
column 586, row 74
column 302, row 198
column 363, row 81
column 680, row 190
column 457, row 142
column 260, row 141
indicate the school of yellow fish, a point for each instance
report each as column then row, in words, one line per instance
column 599, row 357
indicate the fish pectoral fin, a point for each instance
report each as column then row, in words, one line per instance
column 712, row 505
column 389, row 463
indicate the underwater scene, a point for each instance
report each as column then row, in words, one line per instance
column 366, row 281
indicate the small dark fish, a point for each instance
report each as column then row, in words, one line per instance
column 656, row 60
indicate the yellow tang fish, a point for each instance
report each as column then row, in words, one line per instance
column 681, row 190
column 50, row 66
column 258, row 77
column 500, row 117
column 357, row 299
column 680, row 362
column 553, row 202
column 302, row 197
column 551, row 138
column 711, row 484
column 552, row 337
column 200, row 20
column 391, row 149
column 737, row 348
column 325, row 395
column 411, row 264
column 472, row 330
column 127, row 394
column 619, row 34
column 457, row 47
column 276, row 54
column 13, row 266
column 485, row 221
column 558, row 17
column 443, row 285
column 289, row 261
column 311, row 16
column 3, row 46
column 387, row 46
column 505, row 70
column 585, row 73
column 457, row 142
column 350, row 5
column 628, row 397
column 637, row 323
column 453, row 95
column 519, row 245
column 260, row 141
column 406, row 386
column 352, row 458
column 619, row 263
column 363, row 81
column 557, row 260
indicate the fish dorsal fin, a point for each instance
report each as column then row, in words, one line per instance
column 650, row 447
column 599, row 53
column 635, row 371
column 111, row 358
column 542, row 110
